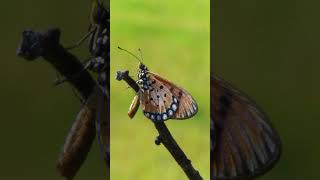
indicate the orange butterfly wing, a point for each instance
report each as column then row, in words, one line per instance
column 187, row 106
column 243, row 142
column 158, row 103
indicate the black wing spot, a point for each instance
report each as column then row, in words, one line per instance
column 165, row 95
column 161, row 87
column 153, row 82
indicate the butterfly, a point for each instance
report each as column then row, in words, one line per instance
column 244, row 143
column 160, row 99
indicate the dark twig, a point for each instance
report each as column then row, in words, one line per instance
column 79, row 141
column 46, row 44
column 165, row 136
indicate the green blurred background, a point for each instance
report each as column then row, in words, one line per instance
column 174, row 37
column 35, row 116
column 270, row 49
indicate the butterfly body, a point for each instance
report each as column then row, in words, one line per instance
column 160, row 99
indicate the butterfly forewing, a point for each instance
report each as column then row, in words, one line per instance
column 243, row 142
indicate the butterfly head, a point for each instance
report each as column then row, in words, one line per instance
column 143, row 74
column 142, row 67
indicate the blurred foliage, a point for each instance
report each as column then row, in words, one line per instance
column 175, row 41
column 270, row 49
column 35, row 116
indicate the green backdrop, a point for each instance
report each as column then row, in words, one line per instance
column 174, row 37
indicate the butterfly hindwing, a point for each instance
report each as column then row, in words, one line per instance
column 243, row 141
column 187, row 107
column 157, row 102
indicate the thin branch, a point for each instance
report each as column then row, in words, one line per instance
column 165, row 136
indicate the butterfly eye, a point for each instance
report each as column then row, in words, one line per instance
column 142, row 66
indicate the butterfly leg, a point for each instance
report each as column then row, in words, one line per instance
column 81, row 40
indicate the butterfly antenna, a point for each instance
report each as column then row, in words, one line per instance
column 130, row 53
column 140, row 54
